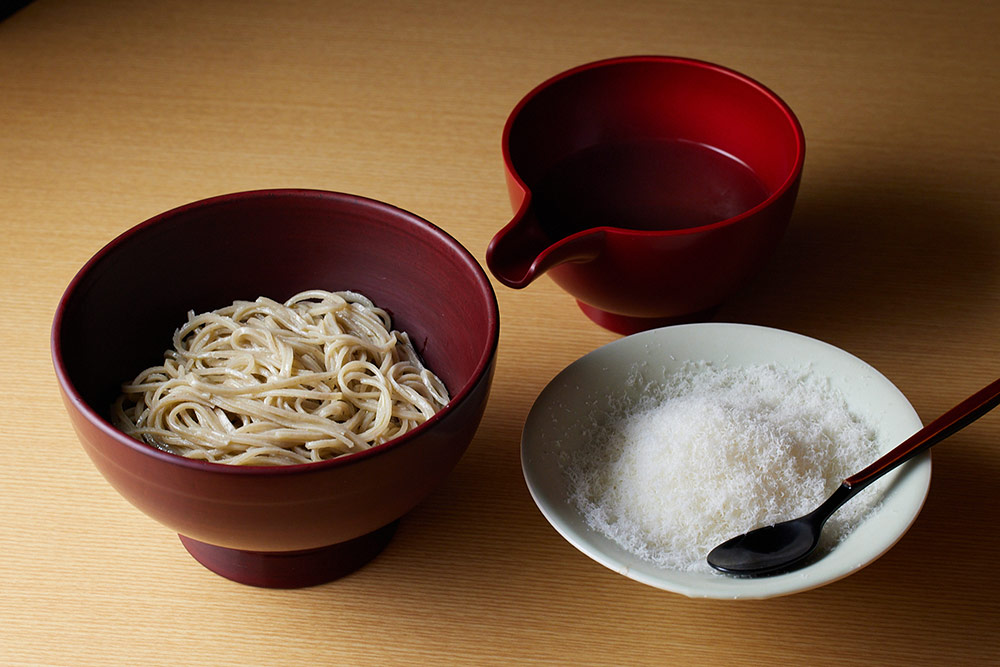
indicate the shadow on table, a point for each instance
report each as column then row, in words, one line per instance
column 10, row 7
column 875, row 254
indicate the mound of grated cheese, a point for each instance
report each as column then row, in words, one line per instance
column 714, row 452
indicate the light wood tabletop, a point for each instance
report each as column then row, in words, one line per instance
column 112, row 111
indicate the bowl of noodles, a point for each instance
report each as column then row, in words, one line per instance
column 278, row 376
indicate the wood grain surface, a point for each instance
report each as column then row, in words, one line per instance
column 112, row 111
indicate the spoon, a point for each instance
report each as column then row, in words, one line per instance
column 778, row 548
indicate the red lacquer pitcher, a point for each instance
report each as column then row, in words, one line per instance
column 648, row 187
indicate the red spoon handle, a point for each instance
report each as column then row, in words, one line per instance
column 951, row 422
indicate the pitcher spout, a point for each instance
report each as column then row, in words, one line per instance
column 522, row 251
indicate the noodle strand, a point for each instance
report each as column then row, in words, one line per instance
column 265, row 383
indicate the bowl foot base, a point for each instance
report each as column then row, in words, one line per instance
column 291, row 569
column 627, row 324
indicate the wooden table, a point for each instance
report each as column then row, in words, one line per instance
column 112, row 111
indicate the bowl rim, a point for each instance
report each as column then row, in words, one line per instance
column 913, row 478
column 483, row 366
column 789, row 183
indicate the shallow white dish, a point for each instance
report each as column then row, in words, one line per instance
column 557, row 423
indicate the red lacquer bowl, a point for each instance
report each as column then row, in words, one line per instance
column 282, row 526
column 648, row 187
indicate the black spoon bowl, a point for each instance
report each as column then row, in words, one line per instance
column 786, row 545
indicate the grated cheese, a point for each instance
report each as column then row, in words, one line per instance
column 714, row 452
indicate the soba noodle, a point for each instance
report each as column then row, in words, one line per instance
column 265, row 383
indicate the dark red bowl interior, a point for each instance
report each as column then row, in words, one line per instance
column 118, row 315
column 654, row 98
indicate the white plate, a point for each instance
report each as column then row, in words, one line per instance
column 557, row 424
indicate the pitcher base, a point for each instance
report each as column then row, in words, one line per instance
column 628, row 324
